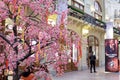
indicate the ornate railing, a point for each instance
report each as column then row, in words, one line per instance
column 86, row 17
column 115, row 30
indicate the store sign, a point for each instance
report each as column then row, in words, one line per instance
column 111, row 55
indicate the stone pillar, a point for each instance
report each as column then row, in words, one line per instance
column 109, row 30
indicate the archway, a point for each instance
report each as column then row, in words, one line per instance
column 93, row 45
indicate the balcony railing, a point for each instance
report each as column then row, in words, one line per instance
column 86, row 17
column 116, row 30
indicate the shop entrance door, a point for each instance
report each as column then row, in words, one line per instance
column 93, row 45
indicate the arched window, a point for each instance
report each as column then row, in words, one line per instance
column 97, row 6
column 98, row 10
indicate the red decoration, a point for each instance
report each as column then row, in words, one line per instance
column 79, row 50
column 6, row 63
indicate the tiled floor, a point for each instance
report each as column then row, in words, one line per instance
column 86, row 75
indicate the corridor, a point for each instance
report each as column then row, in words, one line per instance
column 86, row 75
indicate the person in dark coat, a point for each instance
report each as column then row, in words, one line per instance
column 92, row 62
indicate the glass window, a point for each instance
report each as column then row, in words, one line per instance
column 98, row 11
column 76, row 5
column 82, row 0
column 115, row 13
column 97, row 16
column 97, row 6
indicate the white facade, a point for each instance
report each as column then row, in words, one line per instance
column 112, row 9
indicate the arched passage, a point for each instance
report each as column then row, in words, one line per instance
column 93, row 45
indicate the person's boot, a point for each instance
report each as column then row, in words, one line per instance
column 90, row 71
column 94, row 71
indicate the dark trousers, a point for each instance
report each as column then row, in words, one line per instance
column 92, row 65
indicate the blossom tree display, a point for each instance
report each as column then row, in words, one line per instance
column 26, row 38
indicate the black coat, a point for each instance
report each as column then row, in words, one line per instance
column 92, row 57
